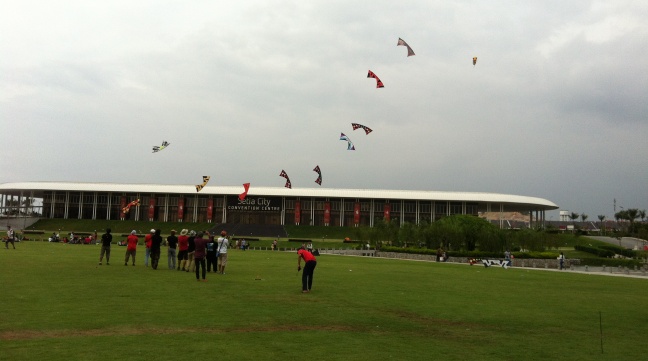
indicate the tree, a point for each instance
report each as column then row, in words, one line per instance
column 642, row 215
column 621, row 216
column 386, row 231
column 448, row 233
column 467, row 232
column 601, row 218
column 633, row 214
column 584, row 217
column 407, row 234
column 424, row 233
column 574, row 216
column 531, row 240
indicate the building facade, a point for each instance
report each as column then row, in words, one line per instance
column 262, row 205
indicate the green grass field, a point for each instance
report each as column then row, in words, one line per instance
column 58, row 304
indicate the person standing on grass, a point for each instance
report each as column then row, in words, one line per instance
column 199, row 255
column 131, row 249
column 561, row 259
column 156, row 245
column 183, row 246
column 148, row 241
column 221, row 250
column 190, row 251
column 172, row 241
column 211, row 254
column 11, row 237
column 309, row 268
column 106, row 240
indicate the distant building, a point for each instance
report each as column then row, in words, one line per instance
column 263, row 205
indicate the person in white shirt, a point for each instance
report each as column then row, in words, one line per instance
column 221, row 251
column 11, row 237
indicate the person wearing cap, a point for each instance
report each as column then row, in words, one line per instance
column 172, row 241
column 190, row 251
column 309, row 268
column 183, row 246
column 132, row 246
column 106, row 240
column 148, row 241
column 200, row 253
column 221, row 252
column 156, row 245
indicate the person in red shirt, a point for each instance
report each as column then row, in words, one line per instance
column 309, row 268
column 183, row 246
column 148, row 241
column 132, row 247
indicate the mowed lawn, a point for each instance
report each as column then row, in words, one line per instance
column 58, row 304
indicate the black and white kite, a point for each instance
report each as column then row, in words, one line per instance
column 285, row 175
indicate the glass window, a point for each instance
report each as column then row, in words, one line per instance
column 441, row 208
column 456, row 208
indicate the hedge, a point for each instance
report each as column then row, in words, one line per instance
column 472, row 254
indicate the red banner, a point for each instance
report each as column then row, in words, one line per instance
column 297, row 212
column 151, row 210
column 122, row 215
column 327, row 213
column 210, row 209
column 181, row 204
column 387, row 211
column 356, row 213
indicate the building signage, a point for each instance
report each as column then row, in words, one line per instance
column 253, row 204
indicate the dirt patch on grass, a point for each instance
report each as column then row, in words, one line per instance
column 417, row 318
column 33, row 334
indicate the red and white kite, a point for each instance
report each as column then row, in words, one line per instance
column 379, row 83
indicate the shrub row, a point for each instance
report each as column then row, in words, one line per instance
column 619, row 250
column 472, row 254
column 610, row 262
column 595, row 251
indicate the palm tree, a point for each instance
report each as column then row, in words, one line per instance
column 621, row 215
column 633, row 214
column 584, row 217
column 642, row 215
column 601, row 218
column 574, row 216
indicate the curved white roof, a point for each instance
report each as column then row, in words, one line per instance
column 522, row 201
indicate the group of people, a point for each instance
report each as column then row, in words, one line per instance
column 242, row 244
column 198, row 252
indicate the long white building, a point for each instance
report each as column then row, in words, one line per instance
column 262, row 205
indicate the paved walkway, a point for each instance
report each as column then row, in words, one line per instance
column 598, row 270
column 607, row 271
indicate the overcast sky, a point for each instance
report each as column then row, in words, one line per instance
column 555, row 108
